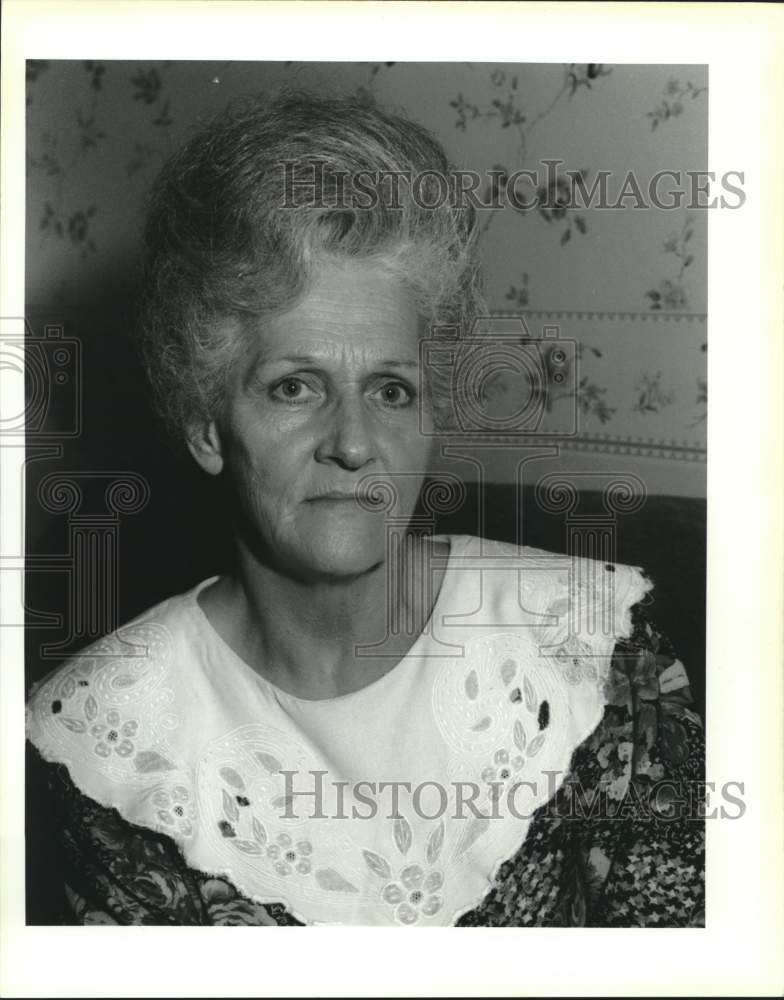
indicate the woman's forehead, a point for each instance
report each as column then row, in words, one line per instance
column 356, row 309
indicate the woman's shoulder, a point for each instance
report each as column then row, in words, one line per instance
column 92, row 710
column 574, row 587
column 143, row 639
column 122, row 717
column 473, row 546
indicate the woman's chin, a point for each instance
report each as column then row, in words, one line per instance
column 344, row 561
column 345, row 547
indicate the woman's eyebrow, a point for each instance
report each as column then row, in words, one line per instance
column 297, row 359
column 264, row 360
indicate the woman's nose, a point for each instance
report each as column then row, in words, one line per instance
column 347, row 440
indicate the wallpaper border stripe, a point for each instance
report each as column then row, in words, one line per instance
column 608, row 443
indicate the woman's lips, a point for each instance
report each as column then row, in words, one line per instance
column 362, row 498
column 339, row 496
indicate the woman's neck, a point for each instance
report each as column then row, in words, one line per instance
column 324, row 638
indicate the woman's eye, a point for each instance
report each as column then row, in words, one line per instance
column 293, row 390
column 395, row 394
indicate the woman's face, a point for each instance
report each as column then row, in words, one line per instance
column 327, row 394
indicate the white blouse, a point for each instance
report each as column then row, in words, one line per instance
column 394, row 804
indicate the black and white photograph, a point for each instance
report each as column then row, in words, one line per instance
column 362, row 462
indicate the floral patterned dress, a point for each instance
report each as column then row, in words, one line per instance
column 621, row 843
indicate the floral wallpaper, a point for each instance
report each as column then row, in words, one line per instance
column 627, row 284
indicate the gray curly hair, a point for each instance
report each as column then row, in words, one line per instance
column 230, row 236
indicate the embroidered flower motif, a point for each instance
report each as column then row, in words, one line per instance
column 415, row 892
column 498, row 775
column 574, row 655
column 176, row 808
column 114, row 735
column 289, row 856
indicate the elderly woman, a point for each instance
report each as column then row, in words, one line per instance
column 357, row 725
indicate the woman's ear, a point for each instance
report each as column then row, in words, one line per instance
column 205, row 445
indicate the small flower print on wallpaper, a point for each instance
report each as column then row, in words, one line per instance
column 63, row 156
column 672, row 103
column 652, row 396
column 671, row 292
column 96, row 128
column 556, row 200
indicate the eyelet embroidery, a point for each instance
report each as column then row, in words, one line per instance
column 502, row 711
column 175, row 808
column 100, row 698
column 492, row 705
column 501, row 773
column 575, row 656
column 292, row 857
column 249, row 784
column 414, row 893
column 114, row 735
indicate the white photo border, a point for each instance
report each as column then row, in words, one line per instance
column 738, row 953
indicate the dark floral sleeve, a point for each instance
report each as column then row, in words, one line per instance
column 622, row 843
column 100, row 869
column 645, row 764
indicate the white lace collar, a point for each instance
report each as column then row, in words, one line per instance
column 162, row 721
